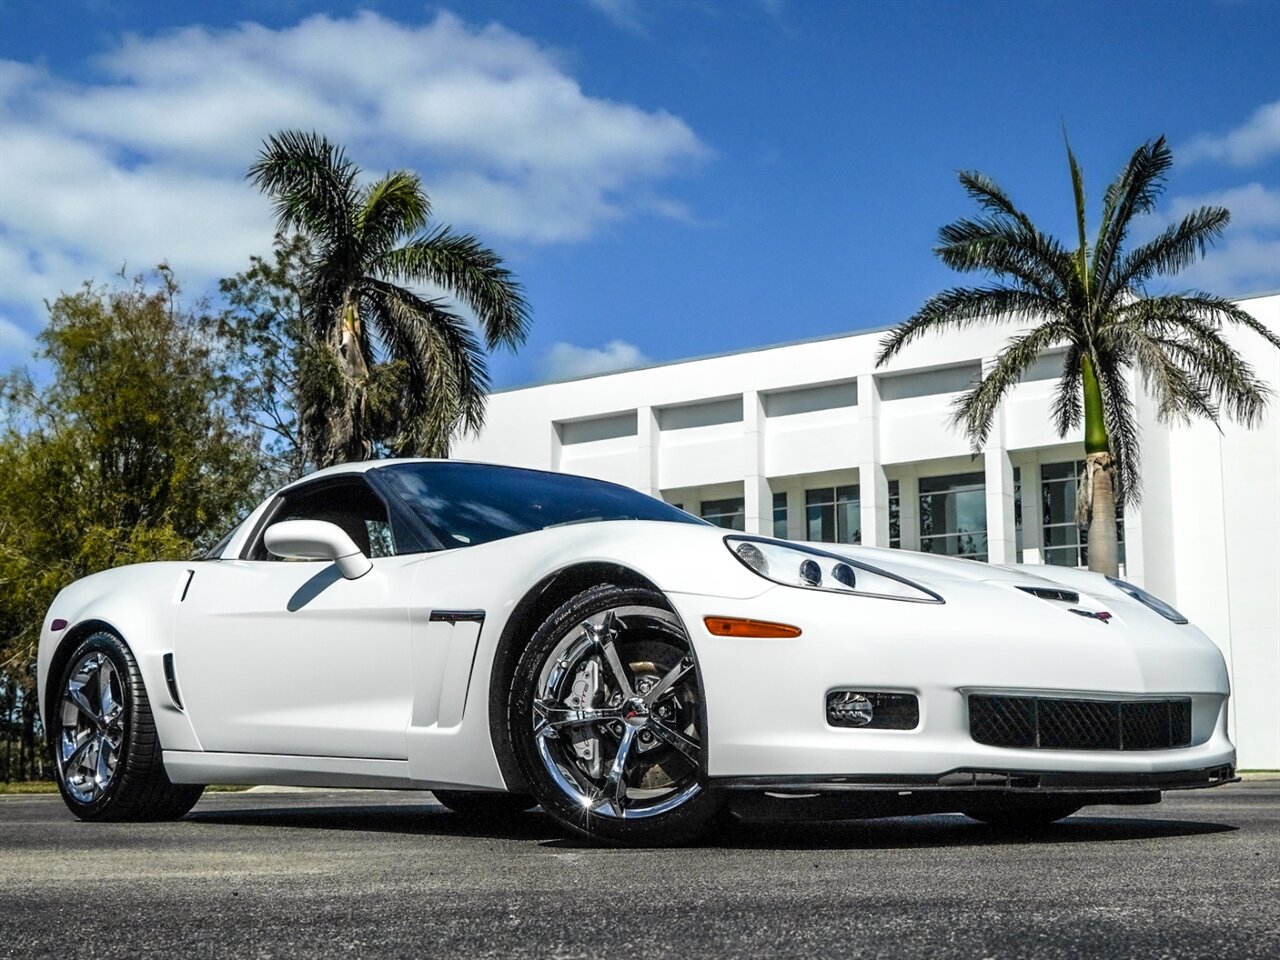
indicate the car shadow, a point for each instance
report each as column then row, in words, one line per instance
column 428, row 819
column 956, row 830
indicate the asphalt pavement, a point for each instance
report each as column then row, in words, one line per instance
column 360, row 874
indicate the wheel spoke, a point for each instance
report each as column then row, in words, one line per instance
column 76, row 759
column 105, row 697
column 554, row 717
column 102, row 768
column 668, row 681
column 602, row 634
column 615, row 785
column 690, row 749
column 615, row 667
column 75, row 693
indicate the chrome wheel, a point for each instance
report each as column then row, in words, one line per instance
column 616, row 714
column 92, row 735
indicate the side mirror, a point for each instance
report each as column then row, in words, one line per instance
column 317, row 540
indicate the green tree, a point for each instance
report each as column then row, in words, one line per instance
column 129, row 451
column 400, row 370
column 1093, row 300
column 265, row 327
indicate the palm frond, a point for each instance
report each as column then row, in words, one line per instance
column 1132, row 193
column 462, row 265
column 1214, row 369
column 311, row 182
column 1177, row 248
column 389, row 209
column 447, row 379
column 1198, row 305
column 1077, row 189
column 962, row 307
column 1004, row 248
column 1179, row 394
column 992, row 198
column 975, row 409
column 1067, row 409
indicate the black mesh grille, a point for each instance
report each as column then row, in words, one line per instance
column 1047, row 723
column 1003, row 721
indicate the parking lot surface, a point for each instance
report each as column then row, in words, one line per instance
column 355, row 873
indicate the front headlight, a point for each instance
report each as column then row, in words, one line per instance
column 1149, row 600
column 805, row 567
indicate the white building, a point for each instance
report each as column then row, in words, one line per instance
column 810, row 441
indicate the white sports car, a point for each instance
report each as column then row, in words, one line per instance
column 508, row 637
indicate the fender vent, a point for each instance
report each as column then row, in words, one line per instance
column 1052, row 593
column 171, row 681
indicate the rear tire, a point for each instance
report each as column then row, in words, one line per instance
column 1030, row 813
column 106, row 751
column 620, row 760
column 487, row 805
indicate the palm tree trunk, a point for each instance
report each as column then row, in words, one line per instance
column 347, row 433
column 1096, row 504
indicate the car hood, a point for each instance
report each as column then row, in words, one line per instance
column 931, row 569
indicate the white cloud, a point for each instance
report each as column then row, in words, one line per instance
column 1251, row 205
column 148, row 163
column 16, row 345
column 1247, row 259
column 1243, row 265
column 1253, row 141
column 566, row 360
column 623, row 13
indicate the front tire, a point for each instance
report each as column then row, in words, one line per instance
column 607, row 720
column 106, row 752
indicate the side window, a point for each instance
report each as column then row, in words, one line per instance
column 348, row 503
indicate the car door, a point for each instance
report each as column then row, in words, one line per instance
column 288, row 657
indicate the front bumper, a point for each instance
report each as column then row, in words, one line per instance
column 766, row 698
column 1004, row 782
column 850, row 798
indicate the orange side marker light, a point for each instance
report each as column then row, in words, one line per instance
column 740, row 627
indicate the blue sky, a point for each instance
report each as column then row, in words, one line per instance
column 668, row 179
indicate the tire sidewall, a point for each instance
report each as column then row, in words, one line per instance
column 111, row 646
column 675, row 826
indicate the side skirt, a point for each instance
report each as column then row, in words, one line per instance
column 190, row 766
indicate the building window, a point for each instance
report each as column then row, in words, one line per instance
column 832, row 515
column 780, row 515
column 895, row 516
column 1017, row 512
column 1064, row 543
column 953, row 515
column 730, row 514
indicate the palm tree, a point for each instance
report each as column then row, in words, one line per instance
column 388, row 367
column 1093, row 301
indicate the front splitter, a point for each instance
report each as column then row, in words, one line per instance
column 851, row 798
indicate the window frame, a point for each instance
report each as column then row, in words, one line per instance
column 780, row 514
column 1081, row 545
column 740, row 511
column 398, row 517
column 975, row 484
column 834, row 501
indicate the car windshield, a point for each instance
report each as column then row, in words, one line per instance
column 468, row 503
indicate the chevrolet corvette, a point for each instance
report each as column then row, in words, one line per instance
column 507, row 638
